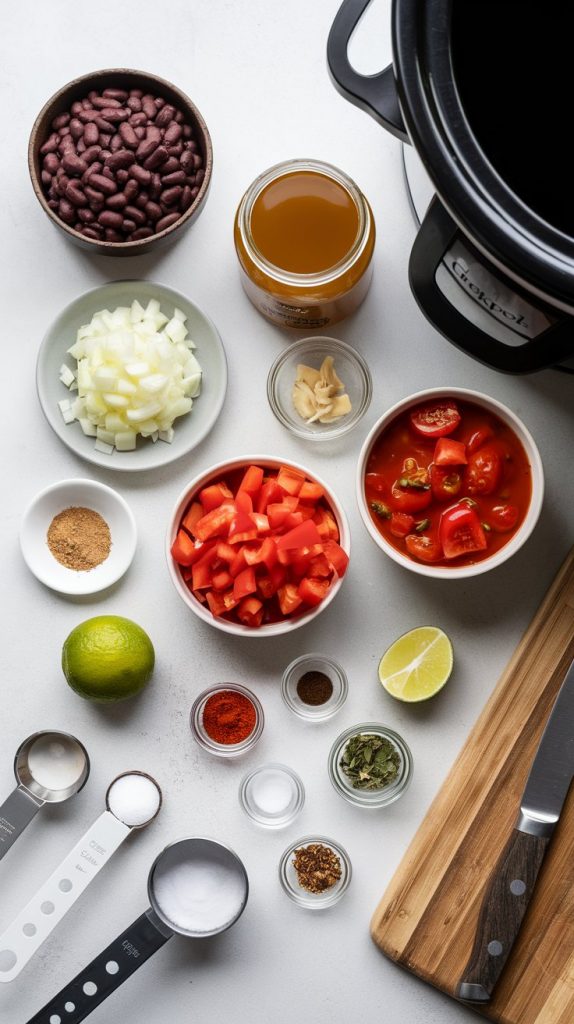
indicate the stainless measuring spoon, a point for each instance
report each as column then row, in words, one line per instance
column 196, row 888
column 50, row 767
column 24, row 936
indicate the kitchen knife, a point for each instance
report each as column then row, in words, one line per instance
column 512, row 883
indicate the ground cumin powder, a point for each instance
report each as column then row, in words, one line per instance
column 79, row 538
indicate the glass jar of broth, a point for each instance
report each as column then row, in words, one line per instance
column 304, row 235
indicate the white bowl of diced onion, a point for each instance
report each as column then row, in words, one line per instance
column 131, row 375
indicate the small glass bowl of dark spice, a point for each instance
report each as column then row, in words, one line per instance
column 370, row 765
column 227, row 720
column 314, row 687
column 315, row 872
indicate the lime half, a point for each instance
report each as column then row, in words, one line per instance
column 417, row 665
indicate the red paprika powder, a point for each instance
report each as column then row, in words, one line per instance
column 229, row 717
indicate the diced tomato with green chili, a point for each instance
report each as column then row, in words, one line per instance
column 312, row 591
column 245, row 583
column 191, row 517
column 446, row 482
column 504, row 518
column 478, row 438
column 401, row 524
column 289, row 599
column 460, row 531
column 252, row 480
column 250, row 611
column 214, row 495
column 290, row 479
column 449, row 452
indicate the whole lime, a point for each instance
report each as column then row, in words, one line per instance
column 108, row 658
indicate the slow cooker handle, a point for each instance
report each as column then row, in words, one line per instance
column 377, row 94
column 435, row 237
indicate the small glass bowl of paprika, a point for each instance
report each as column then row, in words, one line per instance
column 226, row 720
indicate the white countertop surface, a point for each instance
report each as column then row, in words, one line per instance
column 257, row 71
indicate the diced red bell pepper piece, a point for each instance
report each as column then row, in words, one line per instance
column 401, row 523
column 290, row 479
column 449, row 452
column 289, row 599
column 216, row 603
column 319, row 566
column 252, row 480
column 326, row 524
column 313, row 591
column 250, row 611
column 215, row 523
column 336, row 556
column 304, row 535
column 261, row 523
column 214, row 495
column 270, row 493
column 277, row 513
column 306, row 512
column 265, row 553
column 242, row 529
column 191, row 517
column 202, row 571
column 265, row 587
column 243, row 502
column 300, row 564
column 183, row 550
column 229, row 600
column 311, row 491
column 238, row 564
column 226, row 552
column 292, row 520
column 245, row 583
column 222, row 580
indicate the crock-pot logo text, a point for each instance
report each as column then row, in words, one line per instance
column 461, row 271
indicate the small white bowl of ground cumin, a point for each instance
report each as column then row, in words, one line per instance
column 78, row 536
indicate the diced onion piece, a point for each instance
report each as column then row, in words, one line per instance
column 64, row 405
column 144, row 412
column 101, row 446
column 66, row 375
column 137, row 369
column 68, row 416
column 155, row 382
column 126, row 441
column 89, row 429
column 105, row 435
column 116, row 401
column 167, row 435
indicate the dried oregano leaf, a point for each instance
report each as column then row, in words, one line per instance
column 370, row 761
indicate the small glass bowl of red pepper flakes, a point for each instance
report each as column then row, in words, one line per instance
column 226, row 720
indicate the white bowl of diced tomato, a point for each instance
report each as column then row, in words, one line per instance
column 257, row 546
column 449, row 483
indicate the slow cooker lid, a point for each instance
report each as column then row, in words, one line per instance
column 485, row 205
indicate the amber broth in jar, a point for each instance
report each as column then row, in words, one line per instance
column 304, row 222
column 304, row 235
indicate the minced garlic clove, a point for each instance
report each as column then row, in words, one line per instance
column 316, row 393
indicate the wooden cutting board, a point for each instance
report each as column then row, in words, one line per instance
column 427, row 918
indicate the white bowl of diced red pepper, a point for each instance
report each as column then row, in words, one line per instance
column 449, row 483
column 257, row 546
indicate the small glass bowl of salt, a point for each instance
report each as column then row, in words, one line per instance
column 272, row 795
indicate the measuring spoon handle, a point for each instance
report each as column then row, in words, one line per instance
column 15, row 813
column 59, row 892
column 107, row 972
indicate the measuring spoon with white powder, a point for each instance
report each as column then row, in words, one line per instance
column 133, row 800
column 50, row 767
column 196, row 887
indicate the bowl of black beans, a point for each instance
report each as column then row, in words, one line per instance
column 120, row 161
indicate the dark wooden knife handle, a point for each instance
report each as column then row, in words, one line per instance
column 504, row 905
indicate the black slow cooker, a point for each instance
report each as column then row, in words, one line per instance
column 481, row 89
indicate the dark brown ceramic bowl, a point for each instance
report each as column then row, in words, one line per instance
column 122, row 78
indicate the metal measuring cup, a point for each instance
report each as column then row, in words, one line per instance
column 50, row 767
column 149, row 932
column 24, row 936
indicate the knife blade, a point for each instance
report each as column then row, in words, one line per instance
column 510, row 887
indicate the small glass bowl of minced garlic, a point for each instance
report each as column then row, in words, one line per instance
column 315, row 872
column 319, row 388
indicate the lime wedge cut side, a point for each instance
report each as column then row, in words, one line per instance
column 417, row 665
